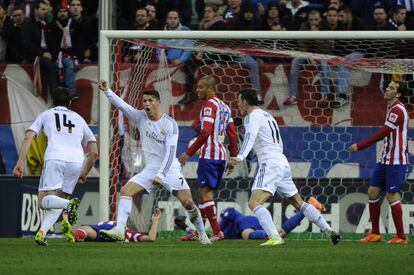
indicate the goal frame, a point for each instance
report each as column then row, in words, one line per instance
column 105, row 65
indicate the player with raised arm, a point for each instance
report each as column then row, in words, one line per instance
column 274, row 174
column 159, row 134
column 92, row 232
column 66, row 131
column 215, row 123
column 390, row 171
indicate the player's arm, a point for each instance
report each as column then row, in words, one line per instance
column 395, row 119
column 251, row 129
column 18, row 170
column 91, row 158
column 152, row 233
column 207, row 123
column 377, row 136
column 118, row 102
column 232, row 134
column 92, row 155
column 171, row 141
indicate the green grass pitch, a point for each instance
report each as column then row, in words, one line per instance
column 22, row 256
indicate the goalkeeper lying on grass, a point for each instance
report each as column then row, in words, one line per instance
column 92, row 232
column 235, row 225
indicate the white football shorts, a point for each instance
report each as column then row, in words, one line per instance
column 173, row 181
column 272, row 177
column 60, row 175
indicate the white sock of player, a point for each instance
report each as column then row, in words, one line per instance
column 51, row 216
column 265, row 220
column 54, row 202
column 314, row 216
column 195, row 218
column 124, row 209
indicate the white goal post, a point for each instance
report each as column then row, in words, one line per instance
column 105, row 65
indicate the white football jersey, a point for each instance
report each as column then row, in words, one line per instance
column 262, row 134
column 66, row 131
column 159, row 138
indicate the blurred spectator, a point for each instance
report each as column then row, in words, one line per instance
column 365, row 9
column 67, row 59
column 3, row 44
column 178, row 56
column 184, row 9
column 86, row 32
column 152, row 16
column 201, row 4
column 396, row 22
column 299, row 10
column 314, row 23
column 212, row 20
column 336, row 3
column 248, row 20
column 332, row 18
column 274, row 15
column 380, row 18
column 233, row 9
column 141, row 20
column 350, row 52
column 39, row 44
column 11, row 34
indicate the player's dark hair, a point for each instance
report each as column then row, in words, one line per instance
column 152, row 92
column 250, row 95
column 61, row 97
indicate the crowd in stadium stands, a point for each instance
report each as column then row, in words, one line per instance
column 57, row 35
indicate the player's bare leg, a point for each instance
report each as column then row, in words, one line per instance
column 184, row 196
column 128, row 191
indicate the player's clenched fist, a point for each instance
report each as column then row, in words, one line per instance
column 103, row 85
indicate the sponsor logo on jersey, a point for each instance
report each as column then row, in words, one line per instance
column 393, row 117
column 208, row 111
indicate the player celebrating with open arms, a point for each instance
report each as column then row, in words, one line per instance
column 159, row 133
column 390, row 171
column 66, row 131
column 216, row 122
column 274, row 174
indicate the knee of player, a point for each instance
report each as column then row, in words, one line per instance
column 253, row 204
column 373, row 193
column 189, row 204
column 392, row 197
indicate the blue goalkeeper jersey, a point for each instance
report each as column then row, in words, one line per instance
column 232, row 223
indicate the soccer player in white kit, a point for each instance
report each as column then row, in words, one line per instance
column 66, row 131
column 274, row 174
column 159, row 133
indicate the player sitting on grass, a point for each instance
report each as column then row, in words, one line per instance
column 92, row 232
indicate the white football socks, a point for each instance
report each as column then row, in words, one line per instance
column 265, row 220
column 51, row 216
column 195, row 218
column 54, row 202
column 314, row 216
column 124, row 210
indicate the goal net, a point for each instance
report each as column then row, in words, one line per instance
column 324, row 89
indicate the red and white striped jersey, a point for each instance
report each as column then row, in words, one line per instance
column 216, row 121
column 395, row 148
